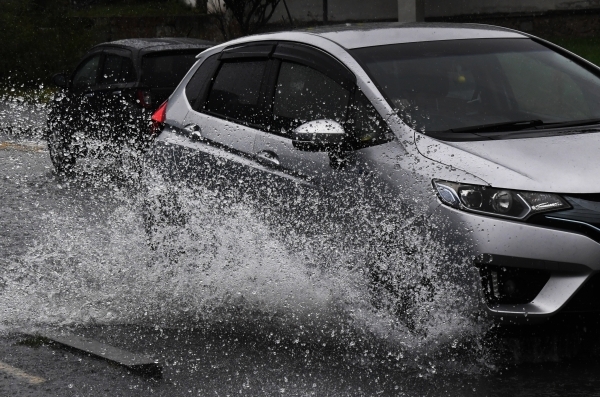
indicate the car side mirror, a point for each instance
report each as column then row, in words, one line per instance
column 319, row 136
column 60, row 80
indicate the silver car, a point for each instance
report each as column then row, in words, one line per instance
column 485, row 135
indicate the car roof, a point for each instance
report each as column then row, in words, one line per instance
column 159, row 44
column 352, row 36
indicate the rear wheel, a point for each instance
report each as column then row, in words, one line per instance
column 61, row 152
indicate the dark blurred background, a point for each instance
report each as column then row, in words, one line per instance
column 43, row 37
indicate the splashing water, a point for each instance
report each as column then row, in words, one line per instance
column 215, row 260
column 222, row 265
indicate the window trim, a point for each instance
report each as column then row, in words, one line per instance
column 306, row 55
column 262, row 49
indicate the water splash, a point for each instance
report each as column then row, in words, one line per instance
column 220, row 264
column 217, row 259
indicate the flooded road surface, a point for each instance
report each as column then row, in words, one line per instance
column 226, row 309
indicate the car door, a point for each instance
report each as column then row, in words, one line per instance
column 227, row 99
column 318, row 191
column 307, row 85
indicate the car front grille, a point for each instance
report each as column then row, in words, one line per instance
column 582, row 218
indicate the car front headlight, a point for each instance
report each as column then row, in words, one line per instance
column 498, row 202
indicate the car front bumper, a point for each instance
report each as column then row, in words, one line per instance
column 570, row 259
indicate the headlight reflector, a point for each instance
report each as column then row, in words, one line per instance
column 500, row 202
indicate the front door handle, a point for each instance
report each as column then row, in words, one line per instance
column 194, row 132
column 269, row 158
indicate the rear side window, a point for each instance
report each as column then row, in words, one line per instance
column 117, row 70
column 166, row 70
column 196, row 89
column 304, row 94
column 235, row 93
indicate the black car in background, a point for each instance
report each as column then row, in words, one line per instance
column 106, row 103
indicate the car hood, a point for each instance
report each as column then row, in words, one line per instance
column 561, row 164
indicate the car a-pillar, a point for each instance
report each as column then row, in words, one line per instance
column 411, row 10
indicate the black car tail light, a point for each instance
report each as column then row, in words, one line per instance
column 512, row 285
column 158, row 119
column 144, row 98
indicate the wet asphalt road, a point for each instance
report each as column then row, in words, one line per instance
column 245, row 359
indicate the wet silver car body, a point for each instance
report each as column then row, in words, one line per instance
column 407, row 164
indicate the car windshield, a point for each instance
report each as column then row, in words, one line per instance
column 482, row 85
column 166, row 70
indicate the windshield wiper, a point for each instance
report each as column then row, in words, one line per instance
column 524, row 124
column 505, row 126
column 564, row 124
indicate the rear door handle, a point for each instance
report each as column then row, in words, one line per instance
column 194, row 132
column 269, row 158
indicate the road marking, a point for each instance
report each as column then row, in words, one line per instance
column 134, row 361
column 20, row 374
column 27, row 147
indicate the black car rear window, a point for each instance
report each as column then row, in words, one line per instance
column 117, row 69
column 166, row 70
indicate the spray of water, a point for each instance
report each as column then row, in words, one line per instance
column 218, row 264
column 149, row 251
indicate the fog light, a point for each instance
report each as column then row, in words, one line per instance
column 511, row 285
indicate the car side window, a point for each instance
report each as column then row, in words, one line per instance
column 87, row 73
column 196, row 88
column 304, row 94
column 235, row 93
column 365, row 126
column 117, row 70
